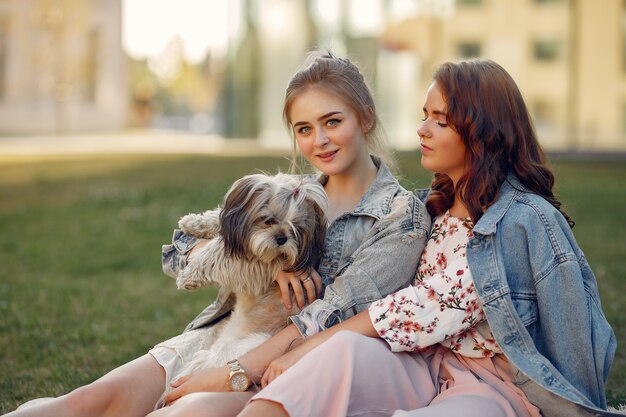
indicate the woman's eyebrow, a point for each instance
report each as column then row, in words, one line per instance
column 436, row 112
column 329, row 114
column 332, row 113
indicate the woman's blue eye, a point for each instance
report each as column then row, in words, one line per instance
column 333, row 122
column 304, row 129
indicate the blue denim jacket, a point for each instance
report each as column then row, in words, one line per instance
column 542, row 303
column 369, row 253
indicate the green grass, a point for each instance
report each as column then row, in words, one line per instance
column 81, row 287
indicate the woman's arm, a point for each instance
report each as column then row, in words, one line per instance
column 410, row 319
column 175, row 256
column 269, row 359
column 384, row 262
column 361, row 323
column 254, row 363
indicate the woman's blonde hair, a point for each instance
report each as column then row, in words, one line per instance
column 342, row 78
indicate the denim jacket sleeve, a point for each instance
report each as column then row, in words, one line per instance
column 174, row 255
column 174, row 258
column 542, row 303
column 385, row 262
column 576, row 344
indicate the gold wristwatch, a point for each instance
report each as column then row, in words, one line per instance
column 238, row 380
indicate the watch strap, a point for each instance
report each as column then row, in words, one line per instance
column 234, row 366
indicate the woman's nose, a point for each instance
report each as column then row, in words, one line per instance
column 320, row 137
column 421, row 131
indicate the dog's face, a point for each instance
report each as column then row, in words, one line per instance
column 278, row 218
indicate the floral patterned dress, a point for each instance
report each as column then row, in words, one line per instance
column 442, row 306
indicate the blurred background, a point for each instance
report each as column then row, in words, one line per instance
column 219, row 67
column 119, row 116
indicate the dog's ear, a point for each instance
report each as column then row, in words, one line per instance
column 319, row 236
column 312, row 244
column 235, row 217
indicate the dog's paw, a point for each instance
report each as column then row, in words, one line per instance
column 189, row 224
column 205, row 225
column 195, row 274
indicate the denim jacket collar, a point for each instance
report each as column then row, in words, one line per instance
column 490, row 219
column 510, row 188
column 376, row 202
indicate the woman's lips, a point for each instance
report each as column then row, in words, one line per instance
column 326, row 156
column 425, row 148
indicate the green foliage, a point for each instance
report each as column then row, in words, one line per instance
column 81, row 287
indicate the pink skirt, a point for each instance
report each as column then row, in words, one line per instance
column 354, row 375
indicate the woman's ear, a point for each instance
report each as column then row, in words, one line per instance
column 370, row 118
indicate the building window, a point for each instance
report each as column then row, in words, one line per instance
column 547, row 50
column 468, row 49
column 544, row 114
column 89, row 76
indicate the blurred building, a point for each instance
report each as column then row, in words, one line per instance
column 567, row 56
column 62, row 67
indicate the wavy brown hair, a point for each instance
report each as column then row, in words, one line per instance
column 486, row 108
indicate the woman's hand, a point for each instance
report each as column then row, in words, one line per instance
column 205, row 380
column 360, row 323
column 281, row 364
column 300, row 281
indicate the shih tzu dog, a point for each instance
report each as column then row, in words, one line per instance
column 267, row 224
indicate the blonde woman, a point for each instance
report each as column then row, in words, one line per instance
column 376, row 232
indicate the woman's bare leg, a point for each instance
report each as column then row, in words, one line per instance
column 206, row 404
column 130, row 390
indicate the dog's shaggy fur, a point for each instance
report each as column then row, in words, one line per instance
column 266, row 224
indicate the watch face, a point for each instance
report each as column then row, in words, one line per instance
column 239, row 382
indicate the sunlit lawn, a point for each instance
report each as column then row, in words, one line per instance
column 81, row 287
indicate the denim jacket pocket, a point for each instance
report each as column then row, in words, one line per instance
column 526, row 307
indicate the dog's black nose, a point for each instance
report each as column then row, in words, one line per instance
column 281, row 240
